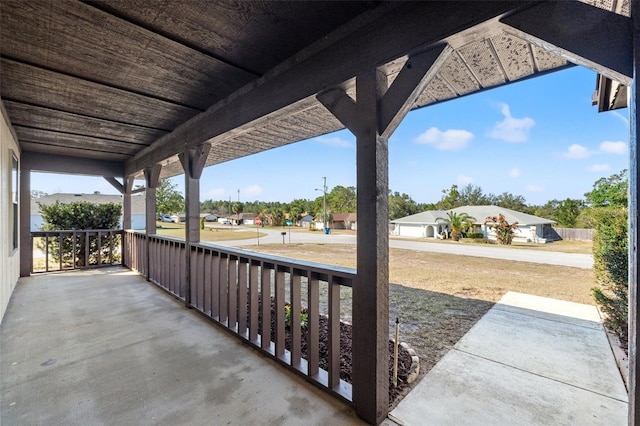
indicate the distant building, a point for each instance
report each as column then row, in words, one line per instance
column 137, row 206
column 427, row 224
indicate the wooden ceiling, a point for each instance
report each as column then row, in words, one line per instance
column 134, row 81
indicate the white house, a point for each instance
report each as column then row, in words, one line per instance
column 137, row 206
column 429, row 224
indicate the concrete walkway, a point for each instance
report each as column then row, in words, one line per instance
column 575, row 260
column 104, row 347
column 529, row 361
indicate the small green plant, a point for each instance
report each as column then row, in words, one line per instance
column 304, row 316
column 475, row 235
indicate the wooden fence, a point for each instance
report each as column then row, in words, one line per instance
column 569, row 234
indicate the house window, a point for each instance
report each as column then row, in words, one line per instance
column 13, row 182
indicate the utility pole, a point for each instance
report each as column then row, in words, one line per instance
column 324, row 202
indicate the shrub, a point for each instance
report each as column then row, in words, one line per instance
column 610, row 257
column 80, row 215
column 475, row 235
column 504, row 231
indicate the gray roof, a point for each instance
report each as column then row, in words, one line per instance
column 137, row 200
column 480, row 213
column 429, row 217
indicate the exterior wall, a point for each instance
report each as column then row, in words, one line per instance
column 9, row 258
column 522, row 234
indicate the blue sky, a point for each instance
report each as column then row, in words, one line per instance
column 539, row 138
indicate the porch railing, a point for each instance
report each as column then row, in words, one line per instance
column 299, row 323
column 75, row 249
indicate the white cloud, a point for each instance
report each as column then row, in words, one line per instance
column 335, row 142
column 515, row 172
column 613, row 147
column 534, row 188
column 464, row 180
column 576, row 151
column 252, row 191
column 215, row 193
column 511, row 129
column 599, row 168
column 449, row 140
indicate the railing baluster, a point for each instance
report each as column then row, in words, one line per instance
column 86, row 249
column 296, row 306
column 46, row 253
column 232, row 294
column 99, row 248
column 254, row 281
column 215, row 286
column 279, row 308
column 314, row 323
column 199, row 278
column 243, row 280
column 334, row 332
column 111, row 248
column 223, row 313
column 60, row 251
column 207, row 265
column 265, row 297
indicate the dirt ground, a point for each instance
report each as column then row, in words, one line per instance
column 439, row 297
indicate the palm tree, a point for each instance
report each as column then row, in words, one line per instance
column 457, row 223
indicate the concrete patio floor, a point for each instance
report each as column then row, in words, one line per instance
column 529, row 361
column 104, row 347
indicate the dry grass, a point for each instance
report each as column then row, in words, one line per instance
column 209, row 234
column 461, row 276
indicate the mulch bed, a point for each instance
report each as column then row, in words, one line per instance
column 346, row 335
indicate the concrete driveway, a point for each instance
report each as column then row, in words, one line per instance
column 521, row 255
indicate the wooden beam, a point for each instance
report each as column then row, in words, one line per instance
column 582, row 34
column 52, row 163
column 192, row 160
column 114, row 182
column 634, row 222
column 126, row 203
column 405, row 29
column 410, row 82
column 26, row 245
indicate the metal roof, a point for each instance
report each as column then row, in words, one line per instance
column 133, row 82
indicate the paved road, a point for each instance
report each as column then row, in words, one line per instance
column 521, row 255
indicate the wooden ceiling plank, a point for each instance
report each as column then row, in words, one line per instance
column 28, row 84
column 79, row 153
column 27, row 134
column 78, row 39
column 50, row 119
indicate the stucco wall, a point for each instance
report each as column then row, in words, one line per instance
column 9, row 258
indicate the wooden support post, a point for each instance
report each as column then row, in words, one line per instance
column 193, row 161
column 26, row 245
column 634, row 222
column 374, row 115
column 152, row 180
column 126, row 202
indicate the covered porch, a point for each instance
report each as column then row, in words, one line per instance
column 141, row 91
